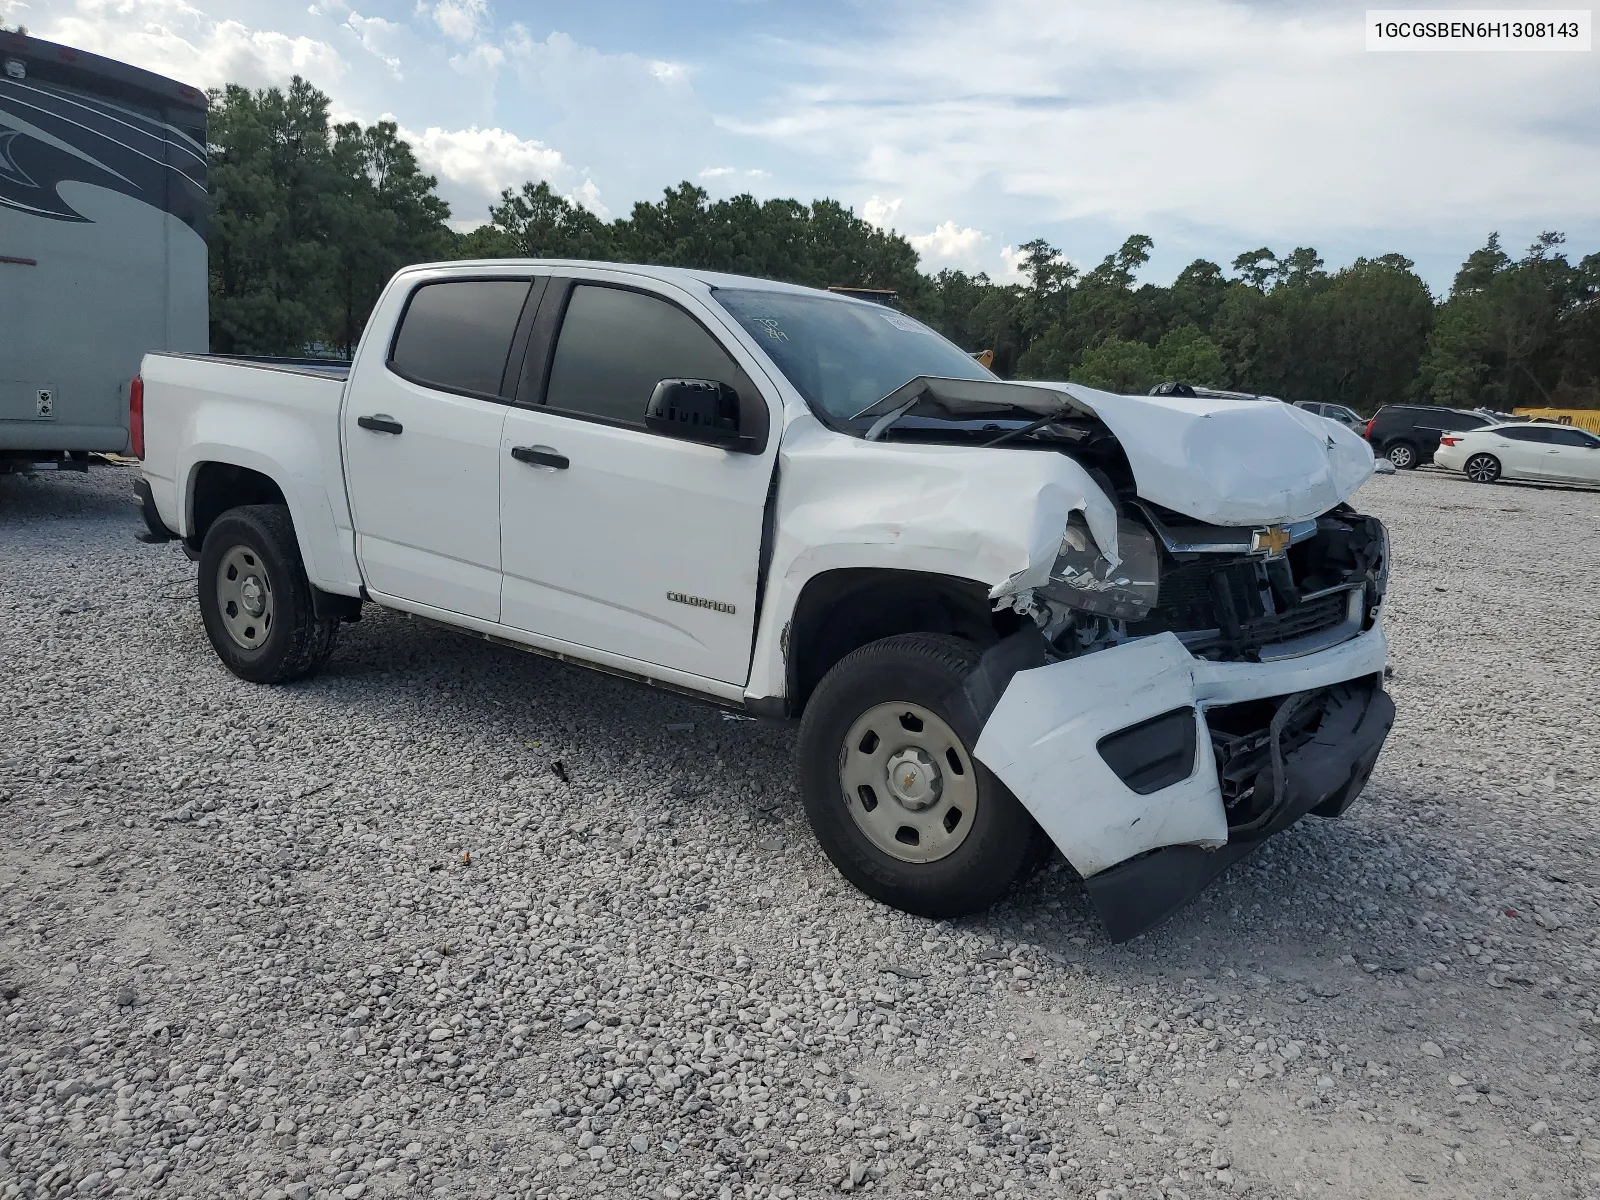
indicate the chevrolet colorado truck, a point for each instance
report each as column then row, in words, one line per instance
column 1144, row 629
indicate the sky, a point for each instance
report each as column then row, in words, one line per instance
column 970, row 127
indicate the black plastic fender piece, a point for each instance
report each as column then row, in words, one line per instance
column 158, row 531
column 969, row 709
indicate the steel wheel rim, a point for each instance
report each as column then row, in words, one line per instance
column 925, row 810
column 1479, row 469
column 1400, row 456
column 244, row 597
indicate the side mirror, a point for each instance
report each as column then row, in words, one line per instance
column 696, row 410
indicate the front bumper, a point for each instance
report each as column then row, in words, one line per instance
column 1113, row 755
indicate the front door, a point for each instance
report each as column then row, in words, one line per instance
column 1573, row 455
column 613, row 538
column 422, row 448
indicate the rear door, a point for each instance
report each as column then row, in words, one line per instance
column 422, row 446
column 617, row 540
column 1519, row 449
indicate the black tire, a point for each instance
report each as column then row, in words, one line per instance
column 1403, row 455
column 294, row 643
column 1482, row 468
column 1002, row 844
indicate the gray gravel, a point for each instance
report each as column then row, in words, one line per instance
column 359, row 936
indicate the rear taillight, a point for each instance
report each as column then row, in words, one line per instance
column 136, row 417
column 1448, row 441
column 1367, row 432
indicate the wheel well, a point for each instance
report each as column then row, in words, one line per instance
column 221, row 486
column 841, row 611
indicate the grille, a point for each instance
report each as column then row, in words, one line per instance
column 1299, row 620
column 1234, row 607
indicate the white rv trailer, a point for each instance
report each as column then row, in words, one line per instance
column 102, row 243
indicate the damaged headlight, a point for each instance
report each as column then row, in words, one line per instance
column 1083, row 577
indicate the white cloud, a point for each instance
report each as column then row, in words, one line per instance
column 1265, row 121
column 461, row 20
column 669, row 72
column 485, row 160
column 175, row 39
column 878, row 211
column 950, row 243
column 731, row 173
column 480, row 60
column 481, row 163
column 1010, row 264
column 377, row 37
column 588, row 195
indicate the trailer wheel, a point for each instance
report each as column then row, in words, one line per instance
column 255, row 598
column 893, row 793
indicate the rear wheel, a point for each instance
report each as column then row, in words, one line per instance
column 1482, row 468
column 1402, row 454
column 255, row 598
column 893, row 793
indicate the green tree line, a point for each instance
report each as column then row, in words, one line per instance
column 310, row 218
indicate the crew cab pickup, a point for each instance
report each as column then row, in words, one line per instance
column 1144, row 629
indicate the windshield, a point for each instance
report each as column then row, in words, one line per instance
column 843, row 355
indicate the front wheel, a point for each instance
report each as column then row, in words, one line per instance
column 893, row 793
column 1403, row 455
column 255, row 598
column 1482, row 468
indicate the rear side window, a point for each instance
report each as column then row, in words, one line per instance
column 616, row 345
column 456, row 334
column 1525, row 435
column 1460, row 421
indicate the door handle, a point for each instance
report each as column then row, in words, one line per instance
column 381, row 423
column 540, row 456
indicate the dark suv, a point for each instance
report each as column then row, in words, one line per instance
column 1408, row 434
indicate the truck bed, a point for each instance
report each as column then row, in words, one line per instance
column 322, row 368
column 275, row 416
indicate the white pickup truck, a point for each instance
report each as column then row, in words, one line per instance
column 1142, row 628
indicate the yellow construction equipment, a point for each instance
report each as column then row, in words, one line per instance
column 1583, row 418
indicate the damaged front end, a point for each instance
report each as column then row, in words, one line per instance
column 1180, row 702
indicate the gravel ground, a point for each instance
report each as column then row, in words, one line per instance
column 449, row 920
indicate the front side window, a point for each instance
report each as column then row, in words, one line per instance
column 1572, row 437
column 842, row 355
column 456, row 334
column 616, row 345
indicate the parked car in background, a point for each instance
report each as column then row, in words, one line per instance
column 1408, row 434
column 1525, row 450
column 1174, row 388
column 1341, row 413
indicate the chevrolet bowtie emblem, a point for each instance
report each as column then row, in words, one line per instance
column 1272, row 539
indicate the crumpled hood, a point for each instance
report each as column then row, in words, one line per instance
column 1221, row 461
column 1230, row 462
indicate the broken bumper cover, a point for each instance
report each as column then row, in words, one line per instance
column 1113, row 755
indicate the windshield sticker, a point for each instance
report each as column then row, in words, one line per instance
column 769, row 326
column 905, row 323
